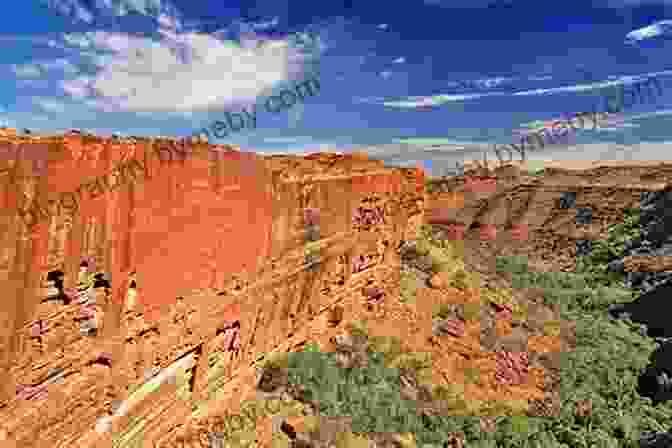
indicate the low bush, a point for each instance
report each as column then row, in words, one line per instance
column 609, row 355
column 409, row 284
column 595, row 264
column 602, row 369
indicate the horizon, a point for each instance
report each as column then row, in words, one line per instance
column 176, row 67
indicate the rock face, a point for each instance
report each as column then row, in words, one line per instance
column 564, row 211
column 646, row 265
column 654, row 241
column 552, row 216
column 645, row 261
column 651, row 309
column 281, row 240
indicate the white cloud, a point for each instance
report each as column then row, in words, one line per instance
column 181, row 71
column 382, row 26
column 73, row 9
column 492, row 82
column 400, row 60
column 86, row 12
column 265, row 25
column 80, row 40
column 435, row 100
column 77, row 88
column 616, row 81
column 663, row 27
column 385, row 74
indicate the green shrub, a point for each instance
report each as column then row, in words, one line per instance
column 603, row 251
column 512, row 265
column 445, row 311
column 609, row 355
column 390, row 347
column 603, row 368
column 409, row 284
column 460, row 280
column 502, row 297
column 472, row 375
column 471, row 311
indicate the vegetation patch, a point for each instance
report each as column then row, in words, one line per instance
column 599, row 404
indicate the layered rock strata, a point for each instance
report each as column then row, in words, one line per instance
column 182, row 304
column 553, row 216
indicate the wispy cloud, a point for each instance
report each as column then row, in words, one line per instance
column 492, row 82
column 180, row 71
column 87, row 11
column 616, row 81
column 661, row 28
column 265, row 25
column 399, row 60
column 434, row 100
column 437, row 100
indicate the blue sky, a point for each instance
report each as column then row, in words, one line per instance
column 389, row 71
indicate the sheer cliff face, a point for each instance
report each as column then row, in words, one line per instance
column 180, row 222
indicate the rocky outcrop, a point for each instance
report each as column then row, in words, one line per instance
column 551, row 217
column 645, row 262
column 281, row 241
column 645, row 274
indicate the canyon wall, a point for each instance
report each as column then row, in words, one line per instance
column 210, row 253
column 544, row 215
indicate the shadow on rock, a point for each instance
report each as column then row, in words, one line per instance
column 656, row 381
column 651, row 309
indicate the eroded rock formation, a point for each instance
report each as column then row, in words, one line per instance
column 551, row 215
column 180, row 264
